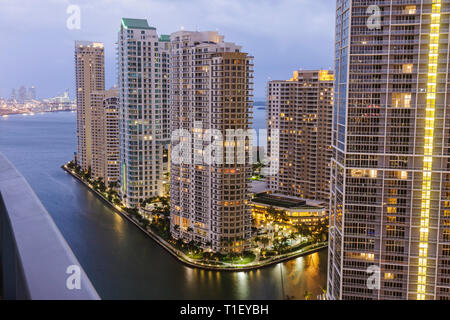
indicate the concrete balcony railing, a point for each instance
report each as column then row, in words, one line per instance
column 35, row 260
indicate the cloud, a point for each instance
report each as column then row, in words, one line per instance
column 282, row 35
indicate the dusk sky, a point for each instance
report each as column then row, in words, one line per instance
column 283, row 35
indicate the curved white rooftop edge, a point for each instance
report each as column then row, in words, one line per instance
column 36, row 261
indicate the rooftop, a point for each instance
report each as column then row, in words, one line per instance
column 259, row 186
column 37, row 263
column 136, row 24
column 164, row 38
column 282, row 201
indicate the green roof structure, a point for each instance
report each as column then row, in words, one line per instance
column 164, row 38
column 136, row 24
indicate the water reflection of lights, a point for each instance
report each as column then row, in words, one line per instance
column 242, row 284
column 241, row 275
column 302, row 274
column 118, row 223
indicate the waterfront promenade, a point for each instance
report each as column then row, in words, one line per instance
column 183, row 258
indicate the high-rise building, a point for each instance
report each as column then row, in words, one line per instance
column 22, row 94
column 89, row 77
column 105, row 135
column 301, row 110
column 13, row 95
column 32, row 93
column 390, row 181
column 143, row 66
column 211, row 92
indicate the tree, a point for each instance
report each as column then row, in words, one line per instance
column 304, row 230
column 324, row 291
column 100, row 184
column 276, row 245
column 114, row 185
column 283, row 243
column 256, row 240
column 292, row 236
column 271, row 213
column 307, row 295
column 277, row 214
column 265, row 241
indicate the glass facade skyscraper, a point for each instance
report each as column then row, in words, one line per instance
column 143, row 77
column 390, row 178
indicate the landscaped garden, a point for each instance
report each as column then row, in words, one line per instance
column 153, row 215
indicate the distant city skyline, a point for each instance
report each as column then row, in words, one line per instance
column 282, row 35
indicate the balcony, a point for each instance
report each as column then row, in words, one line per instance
column 36, row 263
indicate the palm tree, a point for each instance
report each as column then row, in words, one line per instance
column 307, row 295
column 282, row 216
column 324, row 292
column 271, row 213
column 265, row 241
column 114, row 184
column 276, row 245
column 256, row 240
column 304, row 230
column 292, row 236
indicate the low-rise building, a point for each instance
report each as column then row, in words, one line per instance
column 297, row 211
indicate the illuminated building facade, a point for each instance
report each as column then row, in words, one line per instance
column 90, row 77
column 301, row 109
column 105, row 136
column 390, row 181
column 211, row 83
column 143, row 68
column 297, row 211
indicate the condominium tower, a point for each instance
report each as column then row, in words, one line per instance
column 211, row 92
column 390, row 181
column 143, row 78
column 32, row 93
column 301, row 110
column 105, row 136
column 89, row 77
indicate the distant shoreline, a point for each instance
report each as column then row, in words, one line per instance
column 34, row 113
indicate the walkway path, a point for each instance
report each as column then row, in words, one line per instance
column 182, row 257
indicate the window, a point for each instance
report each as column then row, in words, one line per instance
column 401, row 100
column 410, row 9
column 408, row 68
column 388, row 276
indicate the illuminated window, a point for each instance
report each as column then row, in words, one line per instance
column 410, row 9
column 408, row 68
column 325, row 76
column 402, row 175
column 401, row 100
column 392, row 201
column 357, row 173
column 392, row 210
column 389, row 276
